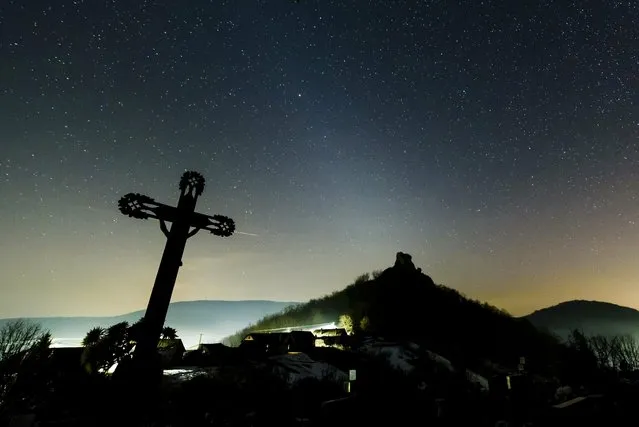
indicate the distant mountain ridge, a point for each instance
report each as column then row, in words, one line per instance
column 591, row 317
column 214, row 319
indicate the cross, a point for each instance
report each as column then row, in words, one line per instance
column 185, row 223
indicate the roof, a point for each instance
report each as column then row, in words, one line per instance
column 171, row 344
column 213, row 355
column 278, row 336
column 214, row 348
column 333, row 332
column 211, row 345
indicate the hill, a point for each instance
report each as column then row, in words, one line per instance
column 213, row 319
column 591, row 317
column 402, row 303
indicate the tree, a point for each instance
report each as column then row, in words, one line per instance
column 364, row 324
column 625, row 353
column 169, row 333
column 619, row 353
column 362, row 278
column 19, row 336
column 136, row 329
column 603, row 349
column 93, row 336
column 107, row 347
column 23, row 350
column 346, row 322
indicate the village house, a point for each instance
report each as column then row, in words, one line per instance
column 171, row 352
column 212, row 355
column 335, row 337
column 258, row 344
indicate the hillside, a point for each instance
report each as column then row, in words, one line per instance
column 591, row 317
column 402, row 303
column 213, row 319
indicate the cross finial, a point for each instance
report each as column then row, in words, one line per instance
column 192, row 183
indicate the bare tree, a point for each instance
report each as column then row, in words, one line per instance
column 17, row 337
column 626, row 351
column 603, row 347
column 620, row 352
column 23, row 349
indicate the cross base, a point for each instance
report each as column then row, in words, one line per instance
column 140, row 374
column 138, row 383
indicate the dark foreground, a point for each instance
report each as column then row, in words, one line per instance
column 257, row 394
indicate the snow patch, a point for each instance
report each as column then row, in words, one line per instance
column 441, row 360
column 173, row 376
column 298, row 366
column 402, row 357
column 398, row 356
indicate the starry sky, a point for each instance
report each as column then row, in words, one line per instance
column 495, row 141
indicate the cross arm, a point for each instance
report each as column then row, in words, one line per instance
column 140, row 206
column 219, row 225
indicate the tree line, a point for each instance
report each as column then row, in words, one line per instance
column 615, row 353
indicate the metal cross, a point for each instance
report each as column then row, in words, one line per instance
column 185, row 223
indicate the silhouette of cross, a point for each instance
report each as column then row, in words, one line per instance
column 185, row 223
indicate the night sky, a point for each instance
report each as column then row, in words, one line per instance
column 495, row 141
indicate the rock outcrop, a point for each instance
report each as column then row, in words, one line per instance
column 404, row 261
